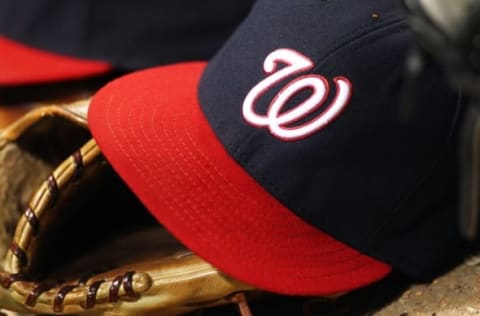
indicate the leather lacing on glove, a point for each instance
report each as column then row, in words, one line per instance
column 84, row 244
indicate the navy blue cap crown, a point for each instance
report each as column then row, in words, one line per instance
column 127, row 34
column 306, row 97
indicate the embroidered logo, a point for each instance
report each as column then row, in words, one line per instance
column 282, row 124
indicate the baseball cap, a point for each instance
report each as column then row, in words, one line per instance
column 53, row 40
column 21, row 64
column 284, row 161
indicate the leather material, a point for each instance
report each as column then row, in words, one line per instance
column 76, row 240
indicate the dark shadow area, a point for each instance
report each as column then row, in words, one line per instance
column 362, row 302
column 51, row 92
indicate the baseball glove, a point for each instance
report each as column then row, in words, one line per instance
column 75, row 240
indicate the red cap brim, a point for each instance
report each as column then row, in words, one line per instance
column 22, row 65
column 150, row 127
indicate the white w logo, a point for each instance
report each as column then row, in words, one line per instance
column 278, row 122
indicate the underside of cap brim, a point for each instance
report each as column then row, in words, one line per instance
column 150, row 127
column 24, row 65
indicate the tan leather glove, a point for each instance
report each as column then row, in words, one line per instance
column 77, row 241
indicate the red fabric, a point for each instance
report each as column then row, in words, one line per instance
column 150, row 127
column 20, row 65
